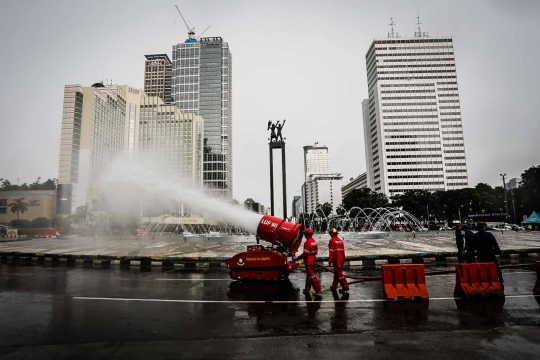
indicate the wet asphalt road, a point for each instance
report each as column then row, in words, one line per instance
column 70, row 312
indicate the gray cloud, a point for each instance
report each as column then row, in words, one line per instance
column 303, row 61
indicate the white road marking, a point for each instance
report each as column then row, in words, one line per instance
column 269, row 301
column 161, row 279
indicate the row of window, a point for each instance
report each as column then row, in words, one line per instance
column 411, row 123
column 408, row 97
column 415, row 149
column 413, row 142
column 408, row 110
column 436, row 176
column 413, row 156
column 415, row 170
column 419, row 59
column 414, row 163
column 425, row 53
column 434, row 130
column 409, row 104
column 416, row 183
column 413, row 66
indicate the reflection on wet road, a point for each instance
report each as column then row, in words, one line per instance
column 63, row 305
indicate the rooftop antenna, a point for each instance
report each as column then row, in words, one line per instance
column 191, row 32
column 392, row 23
column 419, row 33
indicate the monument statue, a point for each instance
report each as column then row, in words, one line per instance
column 272, row 127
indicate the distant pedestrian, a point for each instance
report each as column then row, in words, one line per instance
column 413, row 234
column 485, row 246
column 336, row 258
column 467, row 236
column 459, row 243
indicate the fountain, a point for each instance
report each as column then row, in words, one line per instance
column 367, row 222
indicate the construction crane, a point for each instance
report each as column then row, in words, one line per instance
column 191, row 31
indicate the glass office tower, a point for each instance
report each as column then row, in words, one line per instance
column 201, row 84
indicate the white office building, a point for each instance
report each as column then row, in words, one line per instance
column 412, row 119
column 323, row 188
column 201, row 84
column 358, row 182
column 102, row 121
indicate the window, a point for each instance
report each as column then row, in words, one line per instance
column 3, row 210
column 3, row 202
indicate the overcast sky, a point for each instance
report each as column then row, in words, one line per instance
column 297, row 60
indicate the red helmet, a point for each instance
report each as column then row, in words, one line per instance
column 333, row 231
column 308, row 232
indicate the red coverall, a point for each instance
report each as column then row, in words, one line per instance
column 336, row 257
column 310, row 256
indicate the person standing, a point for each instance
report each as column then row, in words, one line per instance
column 311, row 248
column 459, row 243
column 467, row 235
column 485, row 246
column 336, row 259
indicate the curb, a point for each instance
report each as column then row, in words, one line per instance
column 170, row 262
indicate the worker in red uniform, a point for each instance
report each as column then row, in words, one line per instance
column 310, row 257
column 336, row 258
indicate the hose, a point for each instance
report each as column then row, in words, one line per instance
column 430, row 273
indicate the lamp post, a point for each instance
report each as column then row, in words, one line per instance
column 505, row 199
column 444, row 215
column 459, row 213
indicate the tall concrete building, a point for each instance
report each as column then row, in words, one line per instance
column 93, row 134
column 100, row 122
column 201, row 84
column 157, row 77
column 177, row 138
column 356, row 183
column 320, row 184
column 412, row 120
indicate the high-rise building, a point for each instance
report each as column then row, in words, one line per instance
column 294, row 207
column 358, row 182
column 93, row 132
column 316, row 160
column 321, row 189
column 201, row 84
column 157, row 77
column 412, row 119
column 100, row 122
column 177, row 138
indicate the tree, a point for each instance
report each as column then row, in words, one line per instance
column 326, row 208
column 40, row 222
column 530, row 183
column 18, row 206
column 364, row 198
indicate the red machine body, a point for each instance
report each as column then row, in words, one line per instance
column 269, row 263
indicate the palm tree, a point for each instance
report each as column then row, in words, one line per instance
column 18, row 206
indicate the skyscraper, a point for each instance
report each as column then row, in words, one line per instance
column 412, row 120
column 93, row 134
column 321, row 185
column 157, row 77
column 201, row 84
column 100, row 122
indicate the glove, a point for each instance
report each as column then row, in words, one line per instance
column 301, row 261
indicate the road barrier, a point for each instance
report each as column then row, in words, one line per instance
column 477, row 280
column 536, row 290
column 404, row 282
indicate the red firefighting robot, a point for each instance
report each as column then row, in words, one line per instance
column 310, row 256
column 336, row 258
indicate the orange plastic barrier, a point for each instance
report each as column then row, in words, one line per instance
column 477, row 280
column 404, row 281
column 536, row 290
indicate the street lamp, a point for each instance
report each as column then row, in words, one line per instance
column 459, row 213
column 505, row 199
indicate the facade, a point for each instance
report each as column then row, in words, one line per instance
column 177, row 138
column 252, row 205
column 93, row 133
column 513, row 183
column 100, row 122
column 322, row 188
column 316, row 161
column 412, row 119
column 201, row 84
column 41, row 203
column 358, row 182
column 157, row 76
column 295, row 201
